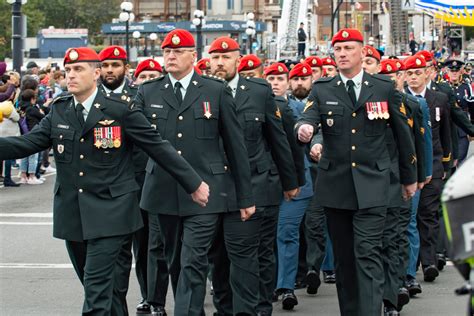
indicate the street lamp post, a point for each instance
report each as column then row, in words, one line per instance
column 136, row 35
column 199, row 21
column 153, row 38
column 126, row 16
column 250, row 31
column 17, row 40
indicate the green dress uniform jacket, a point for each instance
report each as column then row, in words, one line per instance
column 196, row 128
column 355, row 151
column 95, row 190
column 269, row 154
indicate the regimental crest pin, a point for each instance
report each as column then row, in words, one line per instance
column 97, row 105
column 330, row 122
column 60, row 148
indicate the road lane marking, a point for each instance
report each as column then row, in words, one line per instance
column 44, row 175
column 32, row 215
column 27, row 223
column 39, row 266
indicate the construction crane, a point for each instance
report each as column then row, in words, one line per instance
column 293, row 12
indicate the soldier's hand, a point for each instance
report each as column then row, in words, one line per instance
column 305, row 133
column 288, row 195
column 420, row 185
column 246, row 213
column 428, row 180
column 316, row 152
column 409, row 190
column 201, row 195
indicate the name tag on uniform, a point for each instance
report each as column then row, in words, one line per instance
column 332, row 102
column 157, row 106
column 63, row 126
column 438, row 114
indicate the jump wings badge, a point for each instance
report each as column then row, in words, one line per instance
column 207, row 109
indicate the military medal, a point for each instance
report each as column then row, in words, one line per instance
column 369, row 107
column 438, row 114
column 207, row 109
column 116, row 136
column 385, row 114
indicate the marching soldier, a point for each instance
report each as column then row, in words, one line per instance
column 353, row 109
column 95, row 195
column 316, row 66
column 427, row 217
column 147, row 69
column 196, row 114
column 250, row 66
column 464, row 100
column 329, row 67
column 251, row 270
column 204, row 66
column 371, row 61
column 114, row 83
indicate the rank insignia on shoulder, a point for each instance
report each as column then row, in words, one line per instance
column 106, row 122
column 308, row 105
column 278, row 113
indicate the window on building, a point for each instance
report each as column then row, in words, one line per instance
column 209, row 4
column 230, row 4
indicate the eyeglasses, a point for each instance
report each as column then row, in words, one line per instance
column 176, row 52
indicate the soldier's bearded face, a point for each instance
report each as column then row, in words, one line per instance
column 81, row 78
column 279, row 84
column 112, row 73
column 348, row 55
column 224, row 65
column 301, row 86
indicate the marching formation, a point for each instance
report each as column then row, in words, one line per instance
column 260, row 178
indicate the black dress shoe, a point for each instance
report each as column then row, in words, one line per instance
column 390, row 311
column 313, row 281
column 158, row 311
column 289, row 300
column 329, row 277
column 413, row 286
column 10, row 183
column 300, row 284
column 276, row 295
column 403, row 298
column 143, row 307
column 430, row 273
column 441, row 261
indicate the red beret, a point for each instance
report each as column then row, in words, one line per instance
column 224, row 44
column 328, row 61
column 249, row 62
column 148, row 64
column 347, row 35
column 314, row 61
column 197, row 70
column 400, row 65
column 80, row 54
column 113, row 52
column 276, row 69
column 178, row 38
column 425, row 54
column 301, row 70
column 203, row 64
column 388, row 66
column 372, row 52
column 414, row 62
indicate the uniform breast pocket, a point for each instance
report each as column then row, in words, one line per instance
column 207, row 126
column 374, row 127
column 157, row 118
column 253, row 125
column 332, row 119
column 63, row 144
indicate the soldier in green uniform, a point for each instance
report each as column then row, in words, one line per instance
column 353, row 109
column 114, row 83
column 95, row 202
column 197, row 115
column 250, row 269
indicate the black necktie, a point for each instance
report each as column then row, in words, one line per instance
column 177, row 92
column 351, row 91
column 419, row 96
column 80, row 114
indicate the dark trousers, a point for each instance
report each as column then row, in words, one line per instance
column 235, row 274
column 186, row 242
column 315, row 226
column 390, row 255
column 428, row 220
column 140, row 243
column 157, row 269
column 103, row 267
column 357, row 244
column 267, row 258
column 403, row 244
column 301, row 49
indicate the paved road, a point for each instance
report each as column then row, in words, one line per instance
column 36, row 277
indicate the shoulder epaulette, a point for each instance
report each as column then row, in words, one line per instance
column 118, row 100
column 257, row 80
column 212, row 77
column 62, row 98
column 324, row 79
column 280, row 99
column 382, row 77
column 153, row 80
